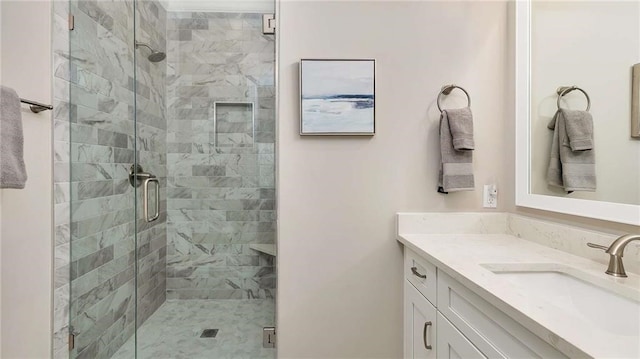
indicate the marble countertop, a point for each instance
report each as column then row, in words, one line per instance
column 465, row 256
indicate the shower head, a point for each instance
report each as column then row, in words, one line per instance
column 156, row 56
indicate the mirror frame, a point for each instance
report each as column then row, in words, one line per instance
column 608, row 211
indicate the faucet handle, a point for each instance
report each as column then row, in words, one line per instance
column 597, row 246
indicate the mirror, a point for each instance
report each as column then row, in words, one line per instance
column 594, row 46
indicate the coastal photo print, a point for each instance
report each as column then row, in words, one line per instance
column 337, row 97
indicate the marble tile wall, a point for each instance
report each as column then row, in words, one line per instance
column 221, row 175
column 151, row 132
column 96, row 141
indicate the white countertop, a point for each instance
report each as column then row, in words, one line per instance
column 462, row 257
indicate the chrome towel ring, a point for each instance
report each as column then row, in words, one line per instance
column 446, row 90
column 564, row 90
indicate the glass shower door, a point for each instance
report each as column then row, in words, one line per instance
column 220, row 181
column 151, row 150
column 103, row 203
column 172, row 181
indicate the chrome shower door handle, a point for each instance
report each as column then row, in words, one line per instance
column 145, row 203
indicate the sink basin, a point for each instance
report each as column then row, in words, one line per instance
column 611, row 307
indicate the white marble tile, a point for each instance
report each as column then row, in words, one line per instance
column 173, row 331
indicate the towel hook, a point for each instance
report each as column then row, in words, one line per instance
column 564, row 90
column 446, row 90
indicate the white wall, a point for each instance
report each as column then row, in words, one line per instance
column 339, row 265
column 26, row 218
column 592, row 45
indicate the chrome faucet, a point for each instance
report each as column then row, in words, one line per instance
column 616, row 250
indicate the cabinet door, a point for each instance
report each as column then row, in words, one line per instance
column 491, row 330
column 419, row 325
column 452, row 344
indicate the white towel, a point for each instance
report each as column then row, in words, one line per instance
column 13, row 173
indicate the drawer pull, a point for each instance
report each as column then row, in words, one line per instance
column 415, row 272
column 424, row 335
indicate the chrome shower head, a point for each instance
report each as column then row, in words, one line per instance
column 156, row 56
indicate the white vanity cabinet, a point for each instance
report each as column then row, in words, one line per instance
column 445, row 319
column 420, row 323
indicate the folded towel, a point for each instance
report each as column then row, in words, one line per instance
column 12, row 170
column 456, row 167
column 579, row 126
column 461, row 126
column 569, row 169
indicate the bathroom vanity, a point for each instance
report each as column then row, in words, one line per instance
column 501, row 285
column 474, row 287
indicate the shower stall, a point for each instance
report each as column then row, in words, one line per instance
column 172, row 179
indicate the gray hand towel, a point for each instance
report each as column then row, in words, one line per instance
column 461, row 126
column 579, row 125
column 571, row 170
column 12, row 170
column 456, row 167
column 554, row 171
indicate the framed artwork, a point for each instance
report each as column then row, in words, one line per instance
column 337, row 97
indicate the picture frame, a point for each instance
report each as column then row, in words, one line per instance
column 337, row 97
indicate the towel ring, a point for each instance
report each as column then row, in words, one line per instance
column 564, row 90
column 446, row 89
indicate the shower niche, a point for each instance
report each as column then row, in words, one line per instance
column 233, row 124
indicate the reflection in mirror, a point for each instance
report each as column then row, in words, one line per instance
column 592, row 45
column 577, row 60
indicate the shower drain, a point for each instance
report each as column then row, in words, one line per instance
column 209, row 333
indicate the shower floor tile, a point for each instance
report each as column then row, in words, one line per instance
column 174, row 331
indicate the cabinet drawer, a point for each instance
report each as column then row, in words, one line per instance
column 493, row 332
column 421, row 274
